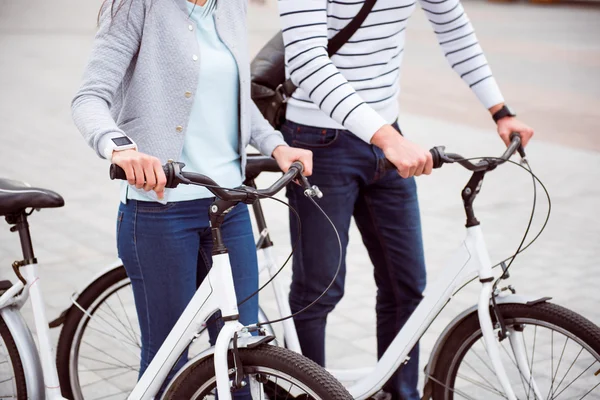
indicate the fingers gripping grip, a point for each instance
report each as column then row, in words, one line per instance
column 435, row 156
column 117, row 172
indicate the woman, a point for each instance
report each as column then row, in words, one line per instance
column 169, row 79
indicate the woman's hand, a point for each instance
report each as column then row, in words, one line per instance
column 142, row 170
column 508, row 125
column 286, row 155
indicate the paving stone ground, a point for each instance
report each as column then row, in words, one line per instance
column 546, row 59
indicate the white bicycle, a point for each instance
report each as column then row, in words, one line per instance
column 507, row 346
column 238, row 361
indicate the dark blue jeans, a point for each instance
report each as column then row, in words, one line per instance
column 166, row 250
column 354, row 182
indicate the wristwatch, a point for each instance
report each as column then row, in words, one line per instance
column 502, row 113
column 117, row 144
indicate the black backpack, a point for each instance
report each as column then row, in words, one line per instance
column 270, row 89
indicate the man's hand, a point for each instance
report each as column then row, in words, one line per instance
column 508, row 125
column 142, row 170
column 286, row 155
column 409, row 158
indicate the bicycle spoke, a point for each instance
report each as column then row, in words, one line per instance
column 6, row 380
column 551, row 393
column 131, row 333
column 566, row 373
column 522, row 378
column 483, row 361
column 128, row 320
column 481, row 385
column 551, row 361
column 128, row 367
column 597, row 384
column 103, row 352
column 290, row 389
column 578, row 376
column 460, row 393
column 92, row 318
column 532, row 358
column 490, row 385
column 125, row 340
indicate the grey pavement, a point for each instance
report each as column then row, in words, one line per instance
column 546, row 59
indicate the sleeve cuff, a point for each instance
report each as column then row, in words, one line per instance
column 488, row 93
column 364, row 122
column 106, row 146
column 269, row 144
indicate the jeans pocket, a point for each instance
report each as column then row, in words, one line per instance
column 310, row 137
column 153, row 207
column 316, row 139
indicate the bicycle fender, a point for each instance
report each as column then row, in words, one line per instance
column 32, row 366
column 75, row 296
column 439, row 344
column 243, row 342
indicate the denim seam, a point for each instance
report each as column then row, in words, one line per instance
column 386, row 257
column 137, row 259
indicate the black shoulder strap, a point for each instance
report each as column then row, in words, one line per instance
column 287, row 88
column 345, row 34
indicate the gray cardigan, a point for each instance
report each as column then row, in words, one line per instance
column 142, row 68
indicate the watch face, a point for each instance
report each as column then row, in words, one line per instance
column 122, row 141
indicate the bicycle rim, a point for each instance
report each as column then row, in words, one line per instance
column 562, row 365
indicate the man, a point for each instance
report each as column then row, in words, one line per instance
column 344, row 110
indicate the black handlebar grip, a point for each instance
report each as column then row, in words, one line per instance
column 117, row 172
column 521, row 150
column 435, row 156
column 299, row 166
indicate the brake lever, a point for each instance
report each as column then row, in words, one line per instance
column 174, row 176
column 310, row 190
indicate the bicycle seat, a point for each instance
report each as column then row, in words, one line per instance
column 16, row 196
column 256, row 164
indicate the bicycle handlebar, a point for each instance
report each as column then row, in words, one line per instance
column 176, row 176
column 440, row 157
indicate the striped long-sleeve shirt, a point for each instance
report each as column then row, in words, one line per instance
column 357, row 88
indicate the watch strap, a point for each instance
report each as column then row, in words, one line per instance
column 503, row 112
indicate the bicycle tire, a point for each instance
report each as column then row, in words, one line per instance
column 304, row 371
column 72, row 332
column 547, row 315
column 15, row 361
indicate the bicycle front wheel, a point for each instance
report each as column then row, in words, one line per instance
column 275, row 372
column 562, row 350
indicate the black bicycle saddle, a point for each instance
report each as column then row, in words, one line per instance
column 16, row 196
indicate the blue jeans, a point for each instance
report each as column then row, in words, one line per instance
column 352, row 176
column 166, row 251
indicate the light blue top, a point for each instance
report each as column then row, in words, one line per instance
column 211, row 138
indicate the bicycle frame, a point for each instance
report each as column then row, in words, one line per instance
column 470, row 260
column 215, row 293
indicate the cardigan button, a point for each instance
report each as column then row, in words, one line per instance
column 188, row 94
column 179, row 128
column 195, row 57
column 191, row 27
